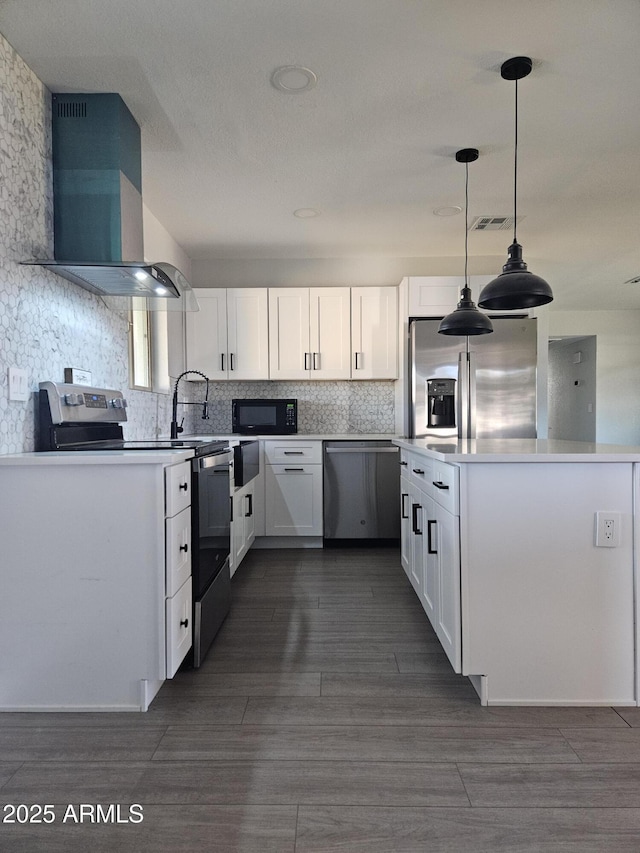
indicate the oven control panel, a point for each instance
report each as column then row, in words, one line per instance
column 81, row 404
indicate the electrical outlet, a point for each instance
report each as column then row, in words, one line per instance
column 608, row 529
column 18, row 387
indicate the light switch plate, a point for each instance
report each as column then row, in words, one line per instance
column 18, row 385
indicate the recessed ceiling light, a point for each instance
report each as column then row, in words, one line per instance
column 452, row 210
column 293, row 78
column 306, row 212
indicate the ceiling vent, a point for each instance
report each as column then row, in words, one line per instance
column 493, row 223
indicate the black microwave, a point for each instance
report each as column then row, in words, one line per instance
column 269, row 417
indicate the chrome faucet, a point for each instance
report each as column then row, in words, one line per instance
column 175, row 426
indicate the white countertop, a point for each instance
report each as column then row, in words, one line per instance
column 519, row 450
column 164, row 457
column 98, row 457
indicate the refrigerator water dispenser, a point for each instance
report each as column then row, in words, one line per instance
column 441, row 402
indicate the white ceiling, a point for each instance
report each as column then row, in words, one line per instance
column 402, row 84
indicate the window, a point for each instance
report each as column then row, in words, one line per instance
column 148, row 348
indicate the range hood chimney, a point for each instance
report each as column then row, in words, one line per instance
column 97, row 205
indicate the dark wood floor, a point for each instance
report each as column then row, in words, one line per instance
column 326, row 718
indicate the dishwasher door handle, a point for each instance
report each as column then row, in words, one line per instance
column 362, row 450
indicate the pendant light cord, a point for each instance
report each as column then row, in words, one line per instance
column 466, row 224
column 515, row 172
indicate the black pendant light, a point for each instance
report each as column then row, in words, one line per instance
column 466, row 319
column 515, row 287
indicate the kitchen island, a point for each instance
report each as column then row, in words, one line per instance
column 522, row 554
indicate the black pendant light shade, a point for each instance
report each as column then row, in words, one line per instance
column 466, row 319
column 515, row 287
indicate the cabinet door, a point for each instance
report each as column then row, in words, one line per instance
column 374, row 332
column 207, row 334
column 178, row 627
column 431, row 569
column 289, row 351
column 448, row 626
column 248, row 333
column 249, row 517
column 405, row 525
column 293, row 498
column 237, row 532
column 330, row 332
column 177, row 550
column 416, row 573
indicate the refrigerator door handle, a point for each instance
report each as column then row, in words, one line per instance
column 463, row 395
column 471, row 356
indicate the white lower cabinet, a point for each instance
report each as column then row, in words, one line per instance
column 523, row 601
column 441, row 588
column 178, row 627
column 430, row 547
column 293, row 488
column 243, row 530
column 95, row 613
column 177, row 525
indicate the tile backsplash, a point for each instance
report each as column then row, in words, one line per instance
column 323, row 407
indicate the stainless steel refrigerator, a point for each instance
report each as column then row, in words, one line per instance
column 482, row 386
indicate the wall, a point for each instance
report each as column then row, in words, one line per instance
column 572, row 388
column 47, row 323
column 323, row 407
column 617, row 371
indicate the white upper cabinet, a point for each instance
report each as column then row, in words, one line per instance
column 207, row 334
column 295, row 333
column 309, row 332
column 330, row 332
column 289, row 332
column 374, row 332
column 228, row 337
column 248, row 333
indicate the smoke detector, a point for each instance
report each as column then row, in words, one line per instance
column 494, row 223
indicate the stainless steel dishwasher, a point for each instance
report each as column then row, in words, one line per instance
column 361, row 492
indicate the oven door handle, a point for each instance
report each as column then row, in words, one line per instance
column 215, row 460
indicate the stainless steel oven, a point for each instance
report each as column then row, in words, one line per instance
column 211, row 542
column 76, row 417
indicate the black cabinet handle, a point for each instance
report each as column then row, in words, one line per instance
column 183, row 486
column 249, row 512
column 184, row 623
column 294, row 469
column 402, row 497
column 221, row 361
column 430, row 548
column 184, row 548
column 418, row 471
column 231, row 367
column 414, row 521
column 403, row 462
column 440, row 485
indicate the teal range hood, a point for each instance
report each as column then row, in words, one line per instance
column 97, row 205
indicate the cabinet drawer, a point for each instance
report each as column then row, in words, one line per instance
column 177, row 488
column 178, row 627
column 420, row 471
column 277, row 452
column 177, row 550
column 445, row 486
